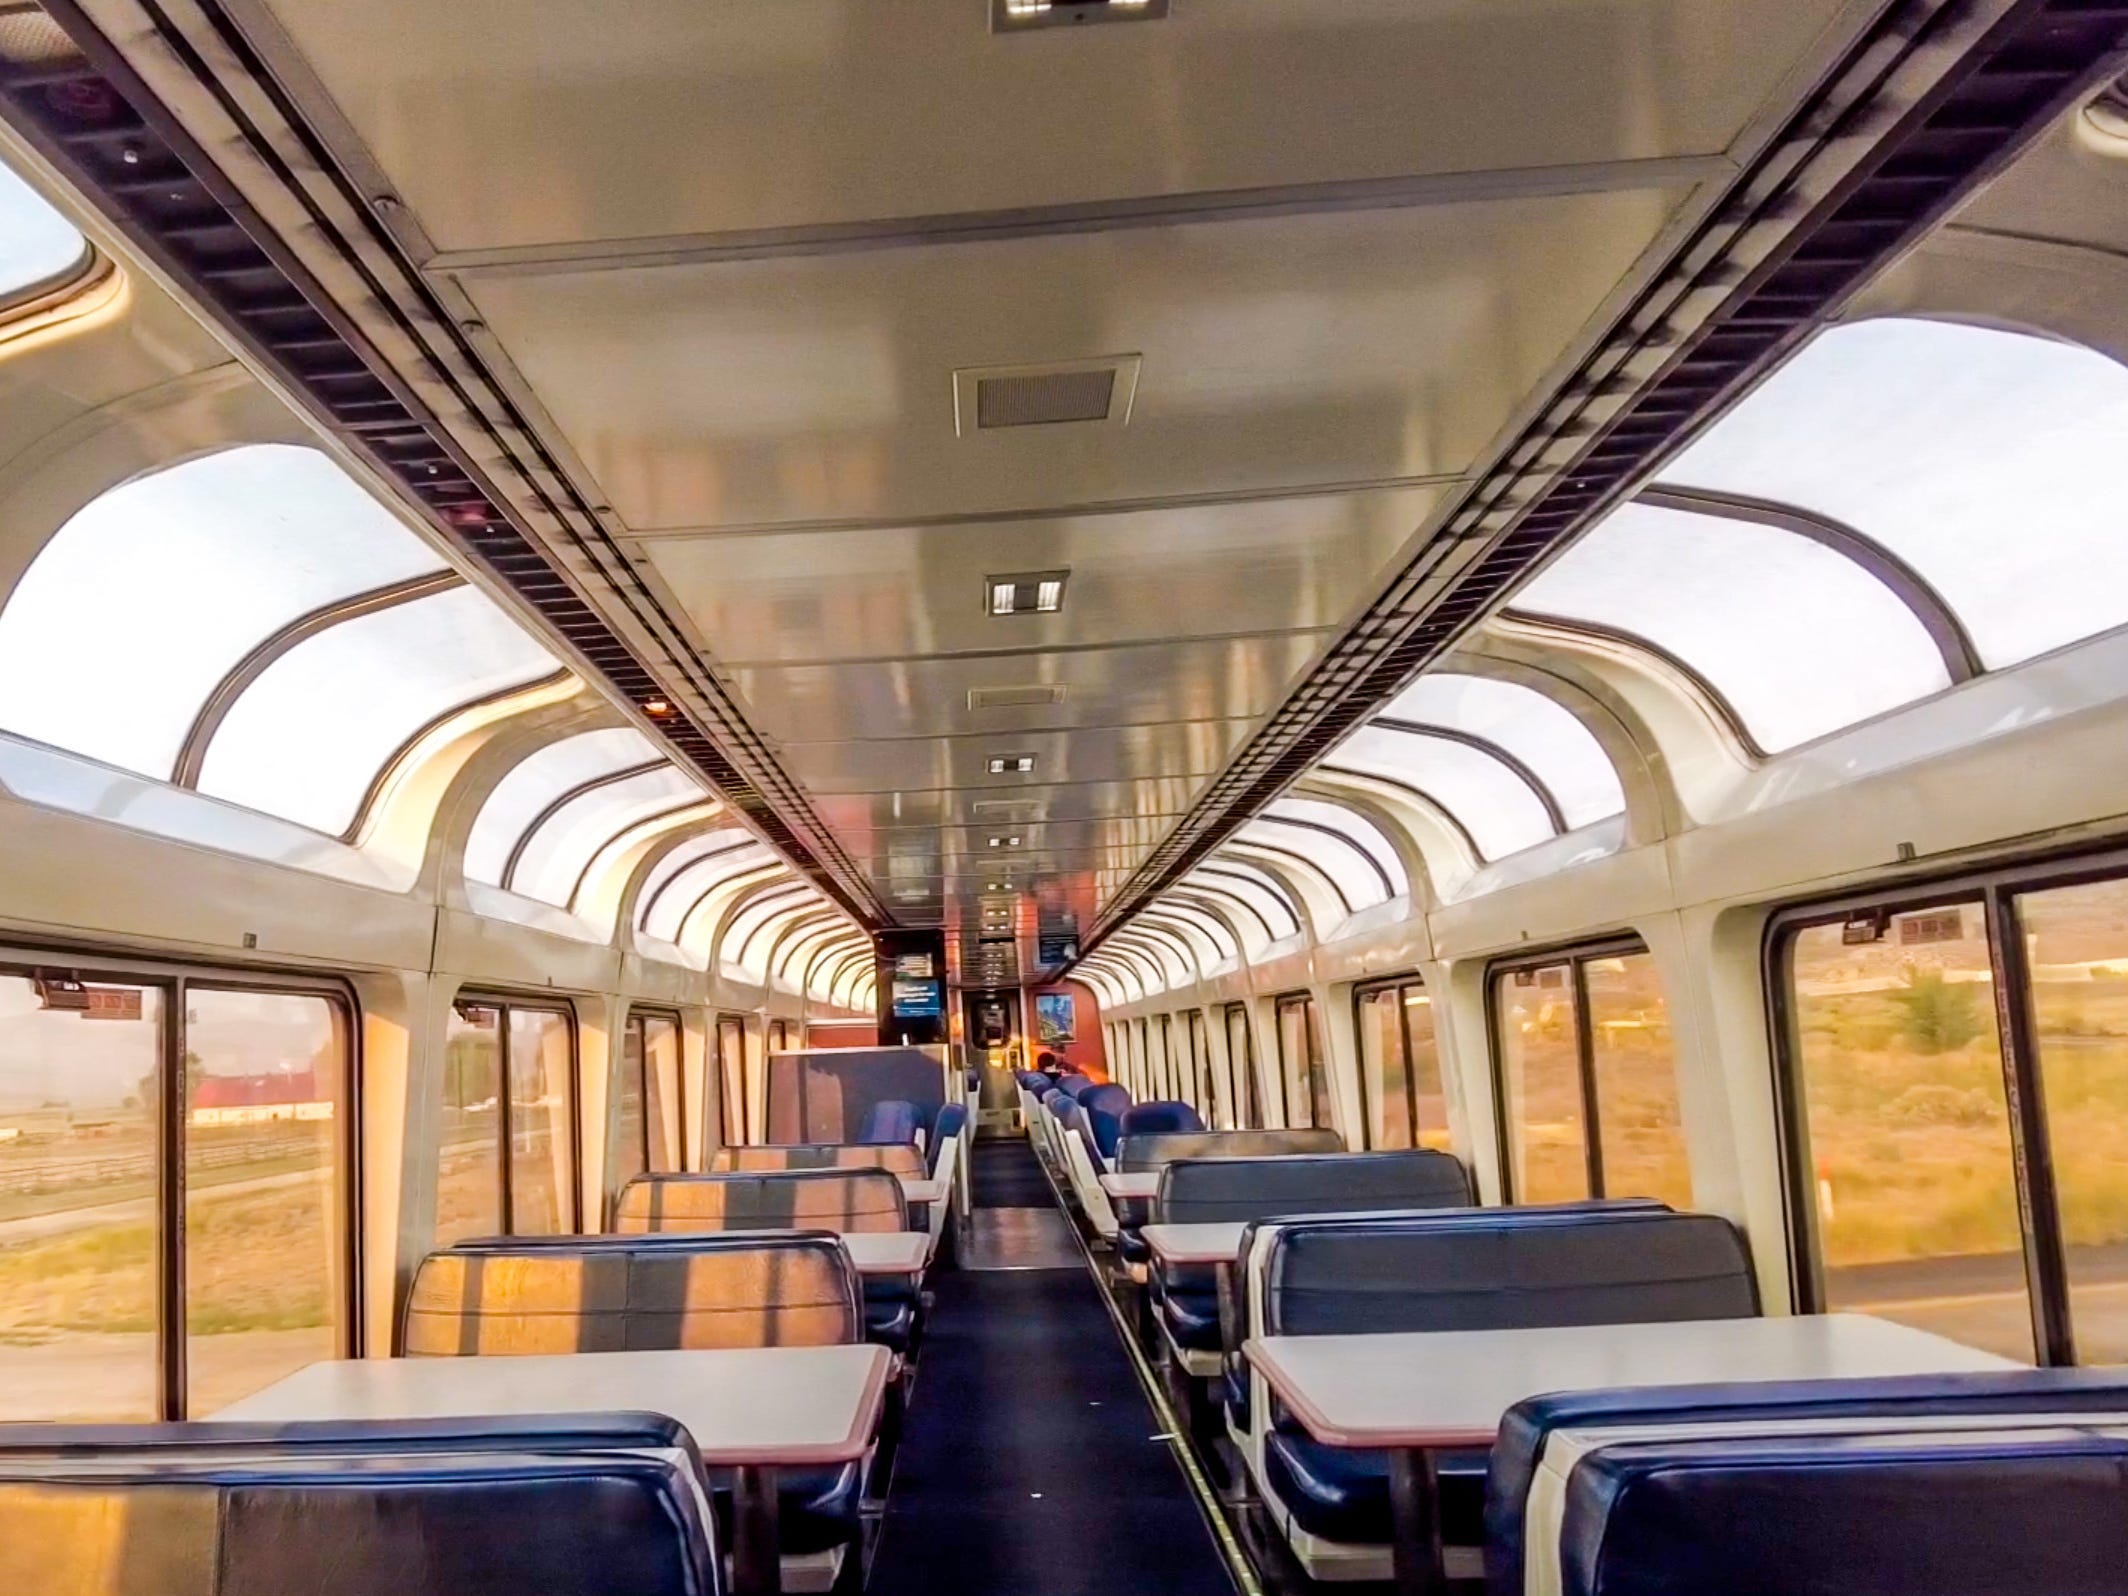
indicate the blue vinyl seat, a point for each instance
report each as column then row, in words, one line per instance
column 1108, row 1108
column 1994, row 1512
column 1529, row 1425
column 951, row 1121
column 1074, row 1084
column 1492, row 1270
column 890, row 1121
column 567, row 1506
column 1161, row 1118
column 1226, row 1190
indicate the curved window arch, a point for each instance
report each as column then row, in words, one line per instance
column 690, row 872
column 39, row 248
column 308, row 739
column 1187, row 967
column 1539, row 739
column 1304, row 832
column 1226, row 875
column 1325, row 818
column 1989, row 461
column 536, row 785
column 1144, row 963
column 558, row 852
column 1769, row 621
column 761, row 910
column 195, row 565
column 1495, row 808
column 796, row 953
column 1217, row 937
column 1246, row 927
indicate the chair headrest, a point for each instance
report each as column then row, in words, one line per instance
column 1219, row 1190
column 1161, row 1118
column 1139, row 1154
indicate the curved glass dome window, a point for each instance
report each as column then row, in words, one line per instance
column 38, row 246
column 307, row 740
column 1990, row 462
column 1297, row 830
column 552, row 864
column 1497, row 810
column 1768, row 620
column 692, row 870
column 539, row 783
column 1232, row 879
column 1557, row 756
column 194, row 566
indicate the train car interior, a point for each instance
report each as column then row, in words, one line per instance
column 1042, row 797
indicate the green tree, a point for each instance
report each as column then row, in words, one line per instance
column 1939, row 1016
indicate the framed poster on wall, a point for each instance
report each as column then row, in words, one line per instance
column 1054, row 1018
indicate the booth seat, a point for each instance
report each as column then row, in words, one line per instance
column 896, row 1158
column 1230, row 1190
column 1107, row 1107
column 798, row 1199
column 1528, row 1428
column 1082, row 1164
column 1074, row 1084
column 517, row 1296
column 566, row 1506
column 1992, row 1511
column 893, row 1122
column 1494, row 1269
column 1140, row 1153
column 1161, row 1118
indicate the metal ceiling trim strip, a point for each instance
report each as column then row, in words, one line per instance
column 101, row 122
column 1936, row 97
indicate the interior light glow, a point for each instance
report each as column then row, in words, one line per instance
column 1004, row 842
column 1011, row 764
column 1001, row 598
column 1048, row 595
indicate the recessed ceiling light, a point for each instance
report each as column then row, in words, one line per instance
column 1011, row 764
column 1025, row 592
column 1004, row 842
column 1011, row 16
column 657, row 706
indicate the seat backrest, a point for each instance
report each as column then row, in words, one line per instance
column 2010, row 1511
column 798, row 1199
column 1074, row 1120
column 892, row 1121
column 1139, row 1154
column 1074, row 1084
column 1504, row 1270
column 1161, row 1118
column 1106, row 1106
column 1529, row 1425
column 952, row 1120
column 1212, row 1191
column 565, row 1507
column 559, row 1294
column 896, row 1158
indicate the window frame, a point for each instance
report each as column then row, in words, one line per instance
column 104, row 966
column 635, row 1027
column 1995, row 888
column 1576, row 956
column 503, row 1001
column 1248, row 1091
column 1361, row 992
column 1318, row 1044
column 725, row 1082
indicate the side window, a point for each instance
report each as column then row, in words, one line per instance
column 1241, row 1055
column 1897, row 1067
column 731, row 1080
column 1587, row 1080
column 628, row 1137
column 662, row 1082
column 1300, row 1056
column 1212, row 1104
column 507, row 1162
column 1400, row 1067
column 116, row 1304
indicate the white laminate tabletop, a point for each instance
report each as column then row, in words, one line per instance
column 924, row 1191
column 770, row 1406
column 874, row 1252
column 1144, row 1184
column 1451, row 1388
column 1194, row 1244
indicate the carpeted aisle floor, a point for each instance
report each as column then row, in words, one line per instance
column 1030, row 1466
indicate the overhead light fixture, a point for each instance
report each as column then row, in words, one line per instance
column 1004, row 842
column 1014, row 16
column 657, row 706
column 1025, row 592
column 1011, row 764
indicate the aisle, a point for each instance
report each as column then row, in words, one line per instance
column 1029, row 1464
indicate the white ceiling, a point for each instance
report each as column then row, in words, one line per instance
column 733, row 253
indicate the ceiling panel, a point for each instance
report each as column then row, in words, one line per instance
column 1141, row 684
column 521, row 124
column 1352, row 348
column 894, row 591
column 1151, row 752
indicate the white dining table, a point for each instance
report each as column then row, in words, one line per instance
column 1411, row 1395
column 1141, row 1186
column 1214, row 1242
column 755, row 1410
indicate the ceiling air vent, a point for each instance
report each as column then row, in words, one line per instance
column 1015, row 697
column 1088, row 392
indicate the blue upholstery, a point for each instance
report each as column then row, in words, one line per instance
column 1160, row 1119
column 2018, row 1514
column 1225, row 1190
column 1108, row 1108
column 952, row 1120
column 817, row 1510
column 893, row 1119
column 1041, row 1086
column 1527, row 1426
column 1139, row 1154
column 1074, row 1085
column 1343, row 1495
column 1496, row 1269
column 567, row 1506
